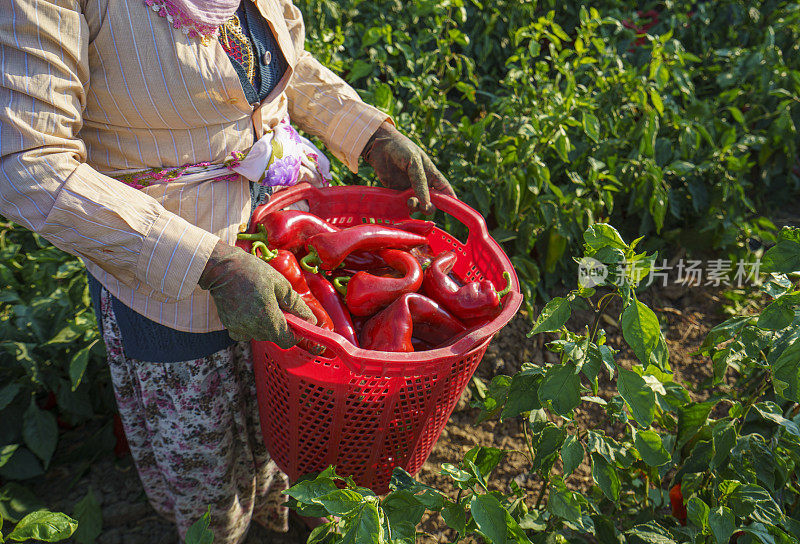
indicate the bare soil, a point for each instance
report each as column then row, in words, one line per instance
column 686, row 314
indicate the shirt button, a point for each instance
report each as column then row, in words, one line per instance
column 232, row 101
column 267, row 57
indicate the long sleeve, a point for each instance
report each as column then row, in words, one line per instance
column 45, row 183
column 323, row 104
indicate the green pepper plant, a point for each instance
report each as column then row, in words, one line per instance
column 734, row 454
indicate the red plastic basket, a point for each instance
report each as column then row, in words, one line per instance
column 369, row 411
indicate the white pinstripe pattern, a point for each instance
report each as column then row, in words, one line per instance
column 154, row 98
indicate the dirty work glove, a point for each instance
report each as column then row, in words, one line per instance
column 250, row 295
column 399, row 164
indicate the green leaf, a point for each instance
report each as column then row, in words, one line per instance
column 67, row 335
column 199, row 533
column 401, row 505
column 591, row 126
column 8, row 393
column 724, row 439
column 383, row 97
column 786, row 372
column 22, row 465
column 780, row 313
column 547, row 443
column 657, row 102
column 485, row 458
column 697, row 511
column 640, row 398
column 306, row 491
column 404, row 533
column 40, row 432
column 737, row 114
column 490, row 517
column 602, row 235
column 455, row 517
column 605, row 475
column 769, row 534
column 90, row 519
column 691, row 418
column 44, row 525
column 554, row 315
column 642, row 333
column 364, row 527
column 772, row 412
column 16, row 501
column 783, row 257
column 77, row 366
column 754, row 501
column 651, row 448
column 722, row 523
column 523, row 395
column 6, row 452
column 571, row 454
column 340, row 502
column 561, row 387
column 564, row 504
column 359, row 70
column 649, row 533
column 562, row 145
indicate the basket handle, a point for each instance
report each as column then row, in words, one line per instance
column 334, row 342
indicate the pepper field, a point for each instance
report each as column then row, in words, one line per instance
column 645, row 137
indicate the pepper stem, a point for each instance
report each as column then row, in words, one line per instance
column 307, row 262
column 260, row 236
column 507, row 289
column 340, row 284
column 267, row 254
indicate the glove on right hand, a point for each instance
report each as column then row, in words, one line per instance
column 250, row 296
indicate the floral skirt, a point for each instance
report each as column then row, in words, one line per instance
column 194, row 433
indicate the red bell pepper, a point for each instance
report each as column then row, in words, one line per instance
column 393, row 327
column 324, row 292
column 676, row 501
column 329, row 249
column 365, row 293
column 286, row 229
column 286, row 264
column 476, row 301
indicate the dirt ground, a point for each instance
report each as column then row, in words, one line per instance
column 686, row 314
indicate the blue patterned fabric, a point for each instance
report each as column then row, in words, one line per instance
column 267, row 76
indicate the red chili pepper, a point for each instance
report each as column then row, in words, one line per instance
column 473, row 302
column 286, row 264
column 285, row 229
column 363, row 260
column 676, row 501
column 324, row 292
column 329, row 249
column 393, row 327
column 421, row 345
column 417, row 226
column 365, row 293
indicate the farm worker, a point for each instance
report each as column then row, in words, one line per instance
column 134, row 134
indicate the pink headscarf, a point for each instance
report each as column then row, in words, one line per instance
column 195, row 18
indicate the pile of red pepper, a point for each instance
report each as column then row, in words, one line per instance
column 377, row 285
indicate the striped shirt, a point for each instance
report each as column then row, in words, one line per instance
column 97, row 88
